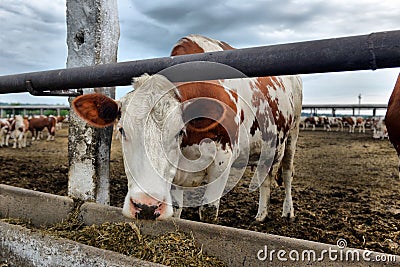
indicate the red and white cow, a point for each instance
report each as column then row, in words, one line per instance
column 185, row 134
column 19, row 128
column 392, row 118
column 352, row 122
column 59, row 122
column 5, row 131
column 336, row 121
column 324, row 121
column 379, row 128
column 307, row 121
column 37, row 124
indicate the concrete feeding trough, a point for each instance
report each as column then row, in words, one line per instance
column 236, row 247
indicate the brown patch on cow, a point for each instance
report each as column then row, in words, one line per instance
column 226, row 46
column 392, row 117
column 97, row 109
column 260, row 93
column 215, row 112
column 186, row 46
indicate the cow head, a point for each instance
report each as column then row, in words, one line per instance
column 151, row 119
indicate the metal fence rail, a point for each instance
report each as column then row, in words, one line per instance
column 313, row 108
column 363, row 52
column 344, row 106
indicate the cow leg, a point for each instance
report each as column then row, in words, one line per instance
column 265, row 195
column 7, row 139
column 177, row 201
column 218, row 174
column 20, row 138
column 34, row 135
column 287, row 173
column 340, row 127
column 177, row 194
column 24, row 139
column 16, row 136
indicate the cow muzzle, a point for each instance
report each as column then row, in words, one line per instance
column 146, row 211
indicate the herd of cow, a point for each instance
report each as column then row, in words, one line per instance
column 17, row 128
column 376, row 124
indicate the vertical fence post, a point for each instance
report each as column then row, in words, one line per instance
column 92, row 38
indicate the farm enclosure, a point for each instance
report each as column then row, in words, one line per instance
column 345, row 186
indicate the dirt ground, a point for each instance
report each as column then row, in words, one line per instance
column 345, row 186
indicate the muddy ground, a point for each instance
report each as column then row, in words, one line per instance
column 345, row 186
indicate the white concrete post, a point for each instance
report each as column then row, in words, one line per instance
column 92, row 38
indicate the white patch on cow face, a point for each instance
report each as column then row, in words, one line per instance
column 152, row 120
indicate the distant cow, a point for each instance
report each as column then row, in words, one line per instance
column 324, row 121
column 379, row 128
column 157, row 118
column 5, row 131
column 336, row 121
column 307, row 121
column 352, row 122
column 60, row 120
column 19, row 128
column 392, row 118
column 37, row 124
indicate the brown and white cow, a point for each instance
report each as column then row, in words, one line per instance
column 37, row 124
column 379, row 128
column 392, row 118
column 307, row 121
column 59, row 122
column 352, row 122
column 5, row 131
column 324, row 121
column 19, row 128
column 336, row 121
column 185, row 134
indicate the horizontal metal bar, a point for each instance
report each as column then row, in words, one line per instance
column 363, row 52
column 61, row 107
column 345, row 106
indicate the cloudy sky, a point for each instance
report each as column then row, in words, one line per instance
column 33, row 36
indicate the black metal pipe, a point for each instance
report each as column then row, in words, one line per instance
column 363, row 52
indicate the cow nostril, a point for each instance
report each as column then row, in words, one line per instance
column 136, row 205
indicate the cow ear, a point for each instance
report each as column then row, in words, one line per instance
column 96, row 109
